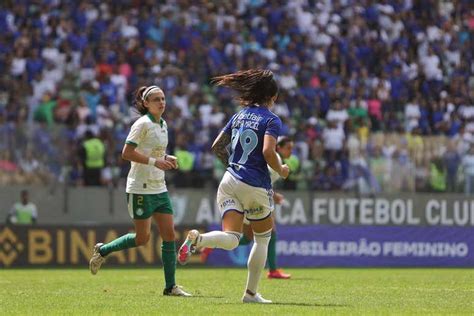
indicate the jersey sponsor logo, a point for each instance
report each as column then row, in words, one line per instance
column 228, row 203
column 255, row 211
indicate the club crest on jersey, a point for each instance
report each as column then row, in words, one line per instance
column 139, row 212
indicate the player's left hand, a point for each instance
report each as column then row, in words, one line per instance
column 173, row 160
column 278, row 198
column 285, row 171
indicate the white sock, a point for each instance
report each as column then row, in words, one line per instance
column 217, row 239
column 257, row 259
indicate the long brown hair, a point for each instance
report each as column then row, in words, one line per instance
column 141, row 94
column 254, row 86
column 138, row 101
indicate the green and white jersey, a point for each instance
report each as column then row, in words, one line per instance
column 150, row 138
column 23, row 213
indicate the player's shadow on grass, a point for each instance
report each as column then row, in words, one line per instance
column 304, row 279
column 308, row 304
column 206, row 296
column 289, row 304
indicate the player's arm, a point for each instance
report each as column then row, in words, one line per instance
column 271, row 156
column 34, row 215
column 129, row 153
column 11, row 215
column 219, row 147
column 278, row 198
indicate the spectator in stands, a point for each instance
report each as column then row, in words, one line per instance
column 390, row 55
column 92, row 155
column 329, row 179
column 334, row 141
column 23, row 212
column 184, row 177
column 337, row 114
column 412, row 115
column 468, row 168
column 437, row 175
column 381, row 168
column 452, row 161
column 402, row 179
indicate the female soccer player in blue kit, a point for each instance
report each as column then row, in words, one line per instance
column 245, row 189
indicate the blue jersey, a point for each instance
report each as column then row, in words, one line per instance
column 247, row 130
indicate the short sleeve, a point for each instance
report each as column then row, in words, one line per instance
column 136, row 134
column 273, row 126
column 228, row 127
column 34, row 211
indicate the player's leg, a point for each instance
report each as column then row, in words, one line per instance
column 168, row 254
column 130, row 240
column 274, row 272
column 259, row 208
column 138, row 206
column 232, row 218
column 248, row 234
column 163, row 216
column 246, row 239
column 258, row 255
column 228, row 238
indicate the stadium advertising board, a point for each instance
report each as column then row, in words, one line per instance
column 362, row 246
column 297, row 246
column 43, row 246
column 333, row 209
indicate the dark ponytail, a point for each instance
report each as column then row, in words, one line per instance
column 138, row 101
column 254, row 86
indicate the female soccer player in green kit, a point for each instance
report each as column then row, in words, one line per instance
column 147, row 195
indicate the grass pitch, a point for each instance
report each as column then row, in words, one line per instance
column 218, row 292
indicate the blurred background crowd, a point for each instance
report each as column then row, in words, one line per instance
column 378, row 96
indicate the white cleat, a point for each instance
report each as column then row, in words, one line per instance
column 96, row 260
column 188, row 247
column 176, row 290
column 257, row 298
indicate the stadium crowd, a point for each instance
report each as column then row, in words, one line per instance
column 377, row 95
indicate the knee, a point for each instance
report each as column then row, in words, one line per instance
column 263, row 238
column 232, row 240
column 142, row 239
column 231, row 245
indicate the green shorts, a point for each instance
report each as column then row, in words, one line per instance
column 142, row 206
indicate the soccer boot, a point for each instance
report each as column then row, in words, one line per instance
column 257, row 298
column 278, row 274
column 96, row 260
column 176, row 290
column 188, row 247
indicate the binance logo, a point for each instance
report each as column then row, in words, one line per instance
column 10, row 247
